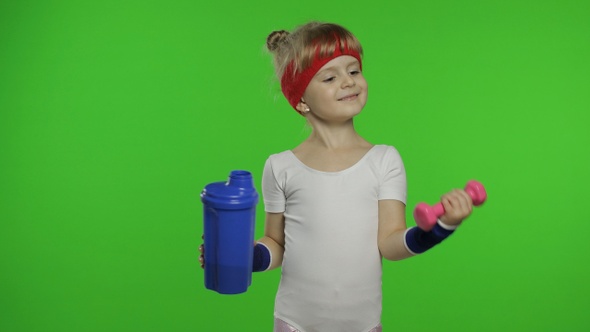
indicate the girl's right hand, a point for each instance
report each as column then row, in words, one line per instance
column 202, row 256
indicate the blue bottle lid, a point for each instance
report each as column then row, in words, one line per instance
column 235, row 194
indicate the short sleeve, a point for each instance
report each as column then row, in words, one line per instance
column 272, row 192
column 393, row 182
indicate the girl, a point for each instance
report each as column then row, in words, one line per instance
column 335, row 204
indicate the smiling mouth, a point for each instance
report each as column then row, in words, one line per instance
column 349, row 97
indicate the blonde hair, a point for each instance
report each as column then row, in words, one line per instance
column 300, row 46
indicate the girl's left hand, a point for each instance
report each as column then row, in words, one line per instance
column 458, row 206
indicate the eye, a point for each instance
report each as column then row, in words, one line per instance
column 355, row 72
column 329, row 79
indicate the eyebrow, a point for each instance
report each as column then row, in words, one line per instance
column 352, row 62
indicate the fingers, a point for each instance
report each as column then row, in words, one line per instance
column 458, row 206
column 202, row 257
column 461, row 200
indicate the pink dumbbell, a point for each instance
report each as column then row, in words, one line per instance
column 426, row 215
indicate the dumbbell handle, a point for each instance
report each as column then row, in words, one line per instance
column 426, row 215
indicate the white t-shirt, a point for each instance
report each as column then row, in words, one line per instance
column 331, row 272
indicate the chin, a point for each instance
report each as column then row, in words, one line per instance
column 355, row 109
column 351, row 113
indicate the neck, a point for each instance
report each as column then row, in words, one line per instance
column 334, row 136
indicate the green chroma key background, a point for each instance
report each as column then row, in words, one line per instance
column 115, row 114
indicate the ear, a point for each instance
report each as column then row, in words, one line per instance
column 302, row 107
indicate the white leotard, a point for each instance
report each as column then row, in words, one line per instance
column 331, row 272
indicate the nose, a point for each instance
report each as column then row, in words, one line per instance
column 348, row 81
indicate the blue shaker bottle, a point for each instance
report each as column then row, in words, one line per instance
column 229, row 210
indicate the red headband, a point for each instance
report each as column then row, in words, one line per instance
column 294, row 84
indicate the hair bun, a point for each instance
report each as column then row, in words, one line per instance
column 274, row 40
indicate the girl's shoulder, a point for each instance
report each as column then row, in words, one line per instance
column 386, row 156
column 384, row 149
column 283, row 155
column 280, row 159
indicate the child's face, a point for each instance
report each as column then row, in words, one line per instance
column 338, row 91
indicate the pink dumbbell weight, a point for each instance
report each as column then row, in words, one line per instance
column 426, row 215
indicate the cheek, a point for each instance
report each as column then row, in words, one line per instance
column 364, row 83
column 317, row 95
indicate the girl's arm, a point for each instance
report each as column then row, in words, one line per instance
column 392, row 228
column 274, row 238
column 393, row 237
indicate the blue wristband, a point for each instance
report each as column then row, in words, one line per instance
column 418, row 241
column 261, row 258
